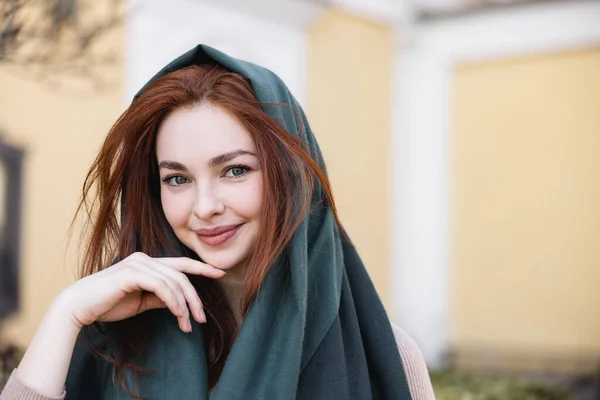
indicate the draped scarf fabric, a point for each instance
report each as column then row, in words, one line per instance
column 316, row 330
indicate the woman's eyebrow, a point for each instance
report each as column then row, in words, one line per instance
column 174, row 165
column 223, row 158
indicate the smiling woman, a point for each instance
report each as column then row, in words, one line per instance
column 216, row 264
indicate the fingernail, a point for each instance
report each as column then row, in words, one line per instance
column 189, row 324
column 202, row 316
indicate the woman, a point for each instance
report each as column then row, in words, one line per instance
column 216, row 265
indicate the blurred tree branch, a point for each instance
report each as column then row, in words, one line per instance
column 59, row 36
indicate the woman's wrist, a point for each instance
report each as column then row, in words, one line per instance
column 46, row 362
column 62, row 309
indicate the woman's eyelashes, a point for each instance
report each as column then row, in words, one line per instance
column 231, row 172
column 237, row 171
column 175, row 180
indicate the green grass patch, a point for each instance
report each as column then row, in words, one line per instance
column 452, row 385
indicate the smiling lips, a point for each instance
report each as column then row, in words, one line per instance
column 217, row 236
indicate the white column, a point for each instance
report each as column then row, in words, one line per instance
column 420, row 214
column 271, row 35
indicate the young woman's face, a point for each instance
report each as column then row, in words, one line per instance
column 211, row 183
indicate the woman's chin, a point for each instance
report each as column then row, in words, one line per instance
column 226, row 265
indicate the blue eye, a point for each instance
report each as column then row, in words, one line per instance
column 237, row 171
column 175, row 180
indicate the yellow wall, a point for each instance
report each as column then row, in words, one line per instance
column 61, row 129
column 349, row 75
column 526, row 209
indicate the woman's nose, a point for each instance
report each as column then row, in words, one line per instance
column 207, row 202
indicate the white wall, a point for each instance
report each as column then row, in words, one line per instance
column 274, row 37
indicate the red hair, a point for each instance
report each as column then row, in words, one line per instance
column 121, row 196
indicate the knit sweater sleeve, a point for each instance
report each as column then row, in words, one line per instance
column 17, row 390
column 417, row 375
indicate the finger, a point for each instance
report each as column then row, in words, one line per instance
column 189, row 291
column 140, row 280
column 184, row 319
column 151, row 302
column 189, row 266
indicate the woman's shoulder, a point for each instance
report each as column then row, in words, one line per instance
column 414, row 364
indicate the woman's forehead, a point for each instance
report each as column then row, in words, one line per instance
column 201, row 133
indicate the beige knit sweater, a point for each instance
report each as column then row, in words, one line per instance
column 412, row 359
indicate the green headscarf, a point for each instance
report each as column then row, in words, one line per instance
column 316, row 330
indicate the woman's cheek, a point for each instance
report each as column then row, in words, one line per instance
column 249, row 197
column 257, row 193
column 175, row 208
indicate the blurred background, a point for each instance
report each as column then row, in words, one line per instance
column 462, row 139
